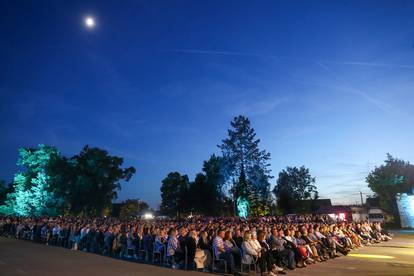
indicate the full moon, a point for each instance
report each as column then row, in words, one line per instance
column 90, row 22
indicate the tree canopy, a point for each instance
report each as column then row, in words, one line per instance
column 51, row 184
column 174, row 194
column 293, row 185
column 395, row 176
column 242, row 155
column 32, row 195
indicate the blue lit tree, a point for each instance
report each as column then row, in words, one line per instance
column 393, row 177
column 243, row 156
column 32, row 194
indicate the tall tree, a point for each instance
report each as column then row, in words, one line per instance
column 242, row 154
column 32, row 188
column 293, row 185
column 215, row 177
column 94, row 178
column 200, row 195
column 174, row 194
column 395, row 176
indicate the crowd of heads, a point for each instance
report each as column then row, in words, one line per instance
column 272, row 245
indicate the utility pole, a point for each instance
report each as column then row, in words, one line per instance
column 362, row 201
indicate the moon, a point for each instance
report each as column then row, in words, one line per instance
column 90, row 22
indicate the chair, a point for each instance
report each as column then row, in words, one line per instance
column 254, row 262
column 216, row 259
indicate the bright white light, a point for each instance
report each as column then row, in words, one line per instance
column 90, row 22
column 148, row 216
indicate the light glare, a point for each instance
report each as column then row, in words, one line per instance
column 90, row 22
column 370, row 256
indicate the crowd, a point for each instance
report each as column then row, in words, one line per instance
column 271, row 245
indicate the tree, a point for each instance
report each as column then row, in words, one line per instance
column 32, row 194
column 131, row 207
column 174, row 194
column 200, row 195
column 395, row 176
column 215, row 178
column 93, row 179
column 4, row 190
column 242, row 154
column 293, row 185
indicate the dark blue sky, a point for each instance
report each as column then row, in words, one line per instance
column 326, row 84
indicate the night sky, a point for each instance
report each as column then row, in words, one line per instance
column 326, row 84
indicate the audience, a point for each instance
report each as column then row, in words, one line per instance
column 275, row 244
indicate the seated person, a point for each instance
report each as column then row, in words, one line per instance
column 221, row 251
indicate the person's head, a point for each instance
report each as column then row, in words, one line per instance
column 260, row 235
column 304, row 231
column 275, row 232
column 183, row 231
column 238, row 232
column 221, row 233
column 193, row 234
column 227, row 235
column 246, row 236
column 173, row 233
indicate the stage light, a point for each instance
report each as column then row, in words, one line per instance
column 148, row 216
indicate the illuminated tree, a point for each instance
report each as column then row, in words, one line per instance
column 395, row 176
column 242, row 155
column 32, row 194
column 51, row 184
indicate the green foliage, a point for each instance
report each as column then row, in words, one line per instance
column 92, row 179
column 32, row 194
column 131, row 207
column 293, row 185
column 202, row 196
column 4, row 190
column 51, row 184
column 395, row 176
column 243, row 156
column 175, row 194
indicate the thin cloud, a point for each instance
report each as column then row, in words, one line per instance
column 316, row 61
column 370, row 64
column 259, row 107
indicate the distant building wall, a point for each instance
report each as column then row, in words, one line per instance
column 406, row 209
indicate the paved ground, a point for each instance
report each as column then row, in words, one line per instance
column 391, row 258
column 26, row 258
